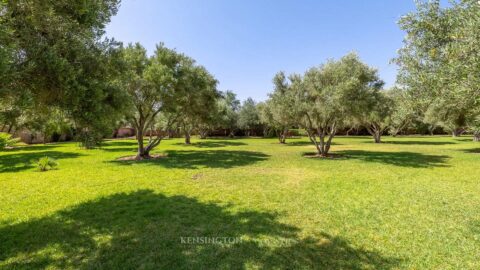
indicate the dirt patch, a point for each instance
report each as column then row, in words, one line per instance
column 329, row 156
column 134, row 158
column 197, row 176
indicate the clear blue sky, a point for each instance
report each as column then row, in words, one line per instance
column 243, row 43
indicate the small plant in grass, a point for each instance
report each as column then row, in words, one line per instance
column 6, row 140
column 46, row 164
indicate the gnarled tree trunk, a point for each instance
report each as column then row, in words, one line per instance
column 187, row 137
column 325, row 136
column 265, row 132
column 282, row 136
column 141, row 151
column 141, row 124
column 203, row 134
column 457, row 132
column 377, row 137
column 376, row 131
column 476, row 136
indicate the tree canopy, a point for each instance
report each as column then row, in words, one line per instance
column 439, row 62
column 54, row 54
column 330, row 95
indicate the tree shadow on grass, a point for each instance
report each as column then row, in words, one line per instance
column 184, row 159
column 411, row 142
column 28, row 148
column 471, row 150
column 145, row 230
column 304, row 143
column 403, row 159
column 23, row 161
column 475, row 228
column 119, row 146
column 463, row 139
column 119, row 142
column 213, row 144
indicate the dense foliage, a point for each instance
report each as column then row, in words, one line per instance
column 54, row 54
column 440, row 64
column 60, row 76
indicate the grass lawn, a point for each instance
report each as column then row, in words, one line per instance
column 408, row 203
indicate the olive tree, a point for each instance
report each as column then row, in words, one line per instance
column 330, row 95
column 403, row 112
column 56, row 53
column 248, row 117
column 279, row 111
column 197, row 99
column 376, row 117
column 228, row 106
column 152, row 84
column 439, row 62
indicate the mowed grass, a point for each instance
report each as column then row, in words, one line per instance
column 408, row 203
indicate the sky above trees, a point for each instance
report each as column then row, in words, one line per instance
column 244, row 43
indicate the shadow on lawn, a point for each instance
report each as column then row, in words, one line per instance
column 417, row 142
column 213, row 144
column 403, row 159
column 145, row 230
column 24, row 161
column 471, row 150
column 184, row 159
column 119, row 146
column 305, row 143
column 125, row 146
column 29, row 148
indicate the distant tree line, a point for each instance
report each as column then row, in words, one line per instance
column 59, row 74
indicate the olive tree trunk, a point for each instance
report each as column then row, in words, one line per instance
column 203, row 134
column 376, row 132
column 457, row 132
column 322, row 139
column 141, row 124
column 187, row 137
column 282, row 136
column 476, row 136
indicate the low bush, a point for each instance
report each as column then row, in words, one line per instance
column 46, row 164
column 6, row 140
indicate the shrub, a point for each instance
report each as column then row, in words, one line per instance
column 89, row 139
column 46, row 164
column 296, row 132
column 6, row 140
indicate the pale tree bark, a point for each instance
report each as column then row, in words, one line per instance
column 282, row 135
column 431, row 129
column 376, row 131
column 321, row 137
column 350, row 130
column 396, row 130
column 457, row 132
column 187, row 131
column 141, row 124
column 265, row 132
column 476, row 136
column 203, row 133
column 187, row 137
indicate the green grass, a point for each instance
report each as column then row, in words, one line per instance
column 408, row 203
